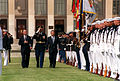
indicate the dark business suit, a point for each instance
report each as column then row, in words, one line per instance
column 25, row 50
column 52, row 50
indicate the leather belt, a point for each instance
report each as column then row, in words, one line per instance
column 40, row 42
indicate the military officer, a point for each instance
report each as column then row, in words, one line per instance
column 5, row 47
column 41, row 39
column 62, row 48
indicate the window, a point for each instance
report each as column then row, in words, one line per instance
column 116, row 7
column 3, row 7
column 100, row 8
column 21, row 7
column 41, row 7
column 59, row 7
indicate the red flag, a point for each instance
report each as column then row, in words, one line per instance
column 77, row 22
column 73, row 6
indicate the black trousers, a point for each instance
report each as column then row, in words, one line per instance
column 52, row 58
column 78, row 58
column 9, row 55
column 25, row 59
column 85, row 52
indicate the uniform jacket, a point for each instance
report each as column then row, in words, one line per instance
column 39, row 37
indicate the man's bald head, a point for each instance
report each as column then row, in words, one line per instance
column 24, row 32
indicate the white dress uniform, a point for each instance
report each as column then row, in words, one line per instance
column 5, row 52
column 1, row 48
column 91, row 51
column 94, row 52
column 82, row 59
column 98, row 52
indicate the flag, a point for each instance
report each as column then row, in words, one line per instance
column 89, row 9
column 77, row 7
column 73, row 6
column 77, row 22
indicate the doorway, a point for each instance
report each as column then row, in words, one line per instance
column 21, row 25
column 59, row 26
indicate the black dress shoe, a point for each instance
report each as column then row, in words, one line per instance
column 53, row 66
column 50, row 66
column 37, row 66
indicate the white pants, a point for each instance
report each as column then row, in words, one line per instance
column 74, row 57
column 57, row 56
column 0, row 63
column 69, row 55
column 5, row 52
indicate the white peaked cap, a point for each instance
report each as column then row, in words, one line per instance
column 98, row 22
column 76, row 30
column 104, row 20
column 109, row 20
column 5, row 30
column 116, row 18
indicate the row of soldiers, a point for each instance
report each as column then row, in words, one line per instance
column 104, row 51
column 69, row 49
column 97, row 52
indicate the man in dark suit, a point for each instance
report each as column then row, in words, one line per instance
column 10, row 41
column 26, row 46
column 52, row 43
column 41, row 39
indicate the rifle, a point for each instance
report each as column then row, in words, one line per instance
column 101, row 72
column 109, row 73
column 97, row 69
column 105, row 74
column 92, row 68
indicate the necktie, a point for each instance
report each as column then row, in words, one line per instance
column 53, row 39
column 25, row 37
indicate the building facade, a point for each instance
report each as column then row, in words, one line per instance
column 17, row 15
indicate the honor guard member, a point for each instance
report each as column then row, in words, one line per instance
column 9, row 45
column 62, row 48
column 5, row 47
column 85, row 52
column 77, row 49
column 26, row 45
column 41, row 39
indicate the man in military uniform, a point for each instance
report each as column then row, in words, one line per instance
column 9, row 45
column 41, row 39
column 62, row 48
column 5, row 47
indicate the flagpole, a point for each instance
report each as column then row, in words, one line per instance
column 80, row 20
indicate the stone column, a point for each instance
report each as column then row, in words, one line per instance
column 31, row 17
column 108, row 8
column 50, row 19
column 11, row 17
column 69, row 16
